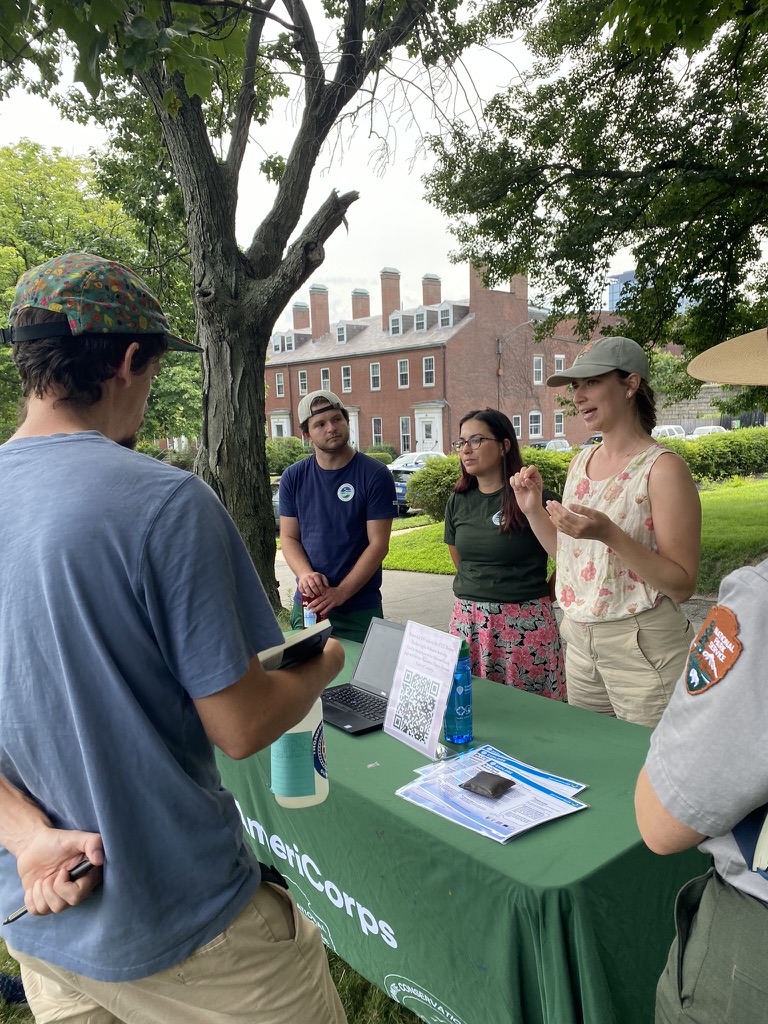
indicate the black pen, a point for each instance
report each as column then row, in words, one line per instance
column 77, row 872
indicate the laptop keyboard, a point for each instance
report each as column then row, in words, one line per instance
column 369, row 705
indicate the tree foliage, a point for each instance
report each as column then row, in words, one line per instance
column 210, row 70
column 604, row 147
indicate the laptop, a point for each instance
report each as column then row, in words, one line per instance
column 360, row 705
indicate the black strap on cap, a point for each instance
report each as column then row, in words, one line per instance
column 324, row 408
column 34, row 332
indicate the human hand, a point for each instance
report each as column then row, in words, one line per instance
column 528, row 487
column 44, row 860
column 312, row 584
column 331, row 598
column 580, row 521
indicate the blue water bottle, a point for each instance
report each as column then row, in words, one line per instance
column 457, row 727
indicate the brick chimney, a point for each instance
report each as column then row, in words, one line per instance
column 321, row 319
column 476, row 287
column 431, row 291
column 300, row 316
column 518, row 286
column 361, row 304
column 390, row 294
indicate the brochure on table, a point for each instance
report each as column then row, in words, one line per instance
column 422, row 683
column 535, row 798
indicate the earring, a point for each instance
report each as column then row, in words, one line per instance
column 629, row 394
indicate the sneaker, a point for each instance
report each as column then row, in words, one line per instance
column 12, row 989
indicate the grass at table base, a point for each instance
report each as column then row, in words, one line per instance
column 363, row 1002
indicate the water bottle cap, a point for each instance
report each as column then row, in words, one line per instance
column 464, row 649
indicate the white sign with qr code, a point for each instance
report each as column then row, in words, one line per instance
column 419, row 693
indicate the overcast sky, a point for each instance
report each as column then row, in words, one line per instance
column 390, row 225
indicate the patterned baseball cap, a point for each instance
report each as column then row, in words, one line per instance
column 98, row 296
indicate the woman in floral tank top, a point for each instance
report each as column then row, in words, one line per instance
column 626, row 538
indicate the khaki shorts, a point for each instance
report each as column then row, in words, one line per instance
column 628, row 667
column 268, row 967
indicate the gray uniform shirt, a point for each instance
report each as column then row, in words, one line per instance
column 708, row 761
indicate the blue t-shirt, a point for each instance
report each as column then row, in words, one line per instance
column 333, row 507
column 126, row 592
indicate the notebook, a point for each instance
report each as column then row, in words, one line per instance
column 360, row 705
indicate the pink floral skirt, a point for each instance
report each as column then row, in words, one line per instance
column 515, row 644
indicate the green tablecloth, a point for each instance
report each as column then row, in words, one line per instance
column 568, row 923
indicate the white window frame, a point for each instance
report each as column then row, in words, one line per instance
column 341, row 334
column 427, row 371
column 395, row 324
column 559, row 364
column 290, row 342
column 403, row 374
column 517, row 425
column 445, row 317
column 302, row 382
column 420, row 320
column 374, row 376
column 538, row 369
column 279, row 384
column 377, row 430
column 534, row 421
column 405, row 434
column 346, row 379
column 559, row 423
column 277, row 342
column 325, row 378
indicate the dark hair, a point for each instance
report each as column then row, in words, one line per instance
column 76, row 366
column 500, row 427
column 303, row 426
column 646, row 403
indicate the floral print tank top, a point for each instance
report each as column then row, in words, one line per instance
column 593, row 583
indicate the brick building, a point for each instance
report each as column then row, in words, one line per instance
column 407, row 376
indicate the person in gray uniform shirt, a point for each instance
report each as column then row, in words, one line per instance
column 705, row 782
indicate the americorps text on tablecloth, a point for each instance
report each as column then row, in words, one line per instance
column 308, row 869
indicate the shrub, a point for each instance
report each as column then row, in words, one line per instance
column 430, row 488
column 388, row 449
column 383, row 457
column 282, row 452
column 741, row 452
column 148, row 448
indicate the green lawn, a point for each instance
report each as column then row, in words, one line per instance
column 734, row 532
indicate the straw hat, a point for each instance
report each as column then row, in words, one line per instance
column 742, row 360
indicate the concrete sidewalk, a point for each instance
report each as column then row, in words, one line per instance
column 428, row 598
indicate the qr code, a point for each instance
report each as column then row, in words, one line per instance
column 415, row 707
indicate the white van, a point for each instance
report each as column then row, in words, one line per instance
column 673, row 430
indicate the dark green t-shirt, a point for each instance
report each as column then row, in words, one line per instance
column 494, row 566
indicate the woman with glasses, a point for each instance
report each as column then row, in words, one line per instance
column 503, row 607
column 626, row 537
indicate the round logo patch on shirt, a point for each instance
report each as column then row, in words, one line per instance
column 715, row 650
column 498, row 519
column 346, row 492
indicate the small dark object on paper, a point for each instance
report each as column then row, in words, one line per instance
column 487, row 784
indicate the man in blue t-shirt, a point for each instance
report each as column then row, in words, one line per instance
column 336, row 511
column 131, row 620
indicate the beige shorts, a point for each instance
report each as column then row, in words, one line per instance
column 629, row 667
column 268, row 967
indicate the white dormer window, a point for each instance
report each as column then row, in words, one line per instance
column 341, row 334
column 290, row 343
column 277, row 342
column 420, row 321
column 445, row 316
column 395, row 324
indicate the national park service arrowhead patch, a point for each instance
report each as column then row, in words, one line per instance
column 715, row 650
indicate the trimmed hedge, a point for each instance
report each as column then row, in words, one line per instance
column 430, row 488
column 716, row 457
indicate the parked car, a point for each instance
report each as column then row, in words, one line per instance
column 276, row 502
column 401, row 476
column 594, row 439
column 557, row 444
column 668, row 430
column 541, row 443
column 419, row 459
column 703, row 431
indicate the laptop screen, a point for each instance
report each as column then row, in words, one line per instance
column 375, row 669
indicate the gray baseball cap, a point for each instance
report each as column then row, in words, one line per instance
column 330, row 401
column 602, row 356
